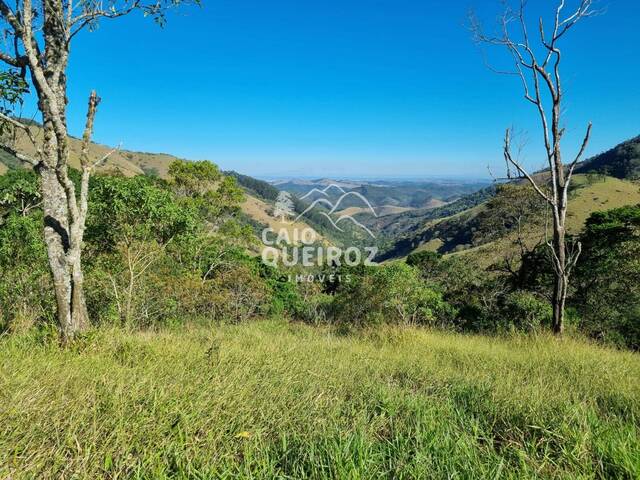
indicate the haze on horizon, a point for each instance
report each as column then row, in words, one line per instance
column 391, row 89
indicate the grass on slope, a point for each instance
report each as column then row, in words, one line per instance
column 126, row 162
column 272, row 400
column 261, row 212
column 603, row 194
column 586, row 198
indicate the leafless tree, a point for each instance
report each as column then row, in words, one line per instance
column 37, row 39
column 538, row 67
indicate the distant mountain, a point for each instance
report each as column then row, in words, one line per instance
column 260, row 203
column 622, row 161
column 385, row 196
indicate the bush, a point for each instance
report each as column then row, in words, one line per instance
column 393, row 294
column 239, row 295
column 608, row 277
column 523, row 311
column 25, row 284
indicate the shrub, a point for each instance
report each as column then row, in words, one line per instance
column 393, row 294
column 524, row 311
column 429, row 263
column 608, row 277
column 25, row 284
column 239, row 295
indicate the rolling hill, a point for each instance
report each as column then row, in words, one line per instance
column 409, row 216
column 386, row 196
column 622, row 161
column 454, row 227
column 459, row 233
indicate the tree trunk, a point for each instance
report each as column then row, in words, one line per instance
column 64, row 263
column 559, row 296
column 561, row 280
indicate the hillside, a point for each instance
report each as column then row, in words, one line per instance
column 409, row 230
column 126, row 162
column 261, row 212
column 278, row 400
column 460, row 232
column 622, row 161
column 452, row 227
column 130, row 163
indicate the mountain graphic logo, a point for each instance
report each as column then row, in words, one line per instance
column 336, row 219
column 284, row 206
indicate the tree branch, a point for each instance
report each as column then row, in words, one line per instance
column 9, row 149
column 583, row 147
column 509, row 158
column 94, row 101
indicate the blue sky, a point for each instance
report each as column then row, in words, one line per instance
column 341, row 88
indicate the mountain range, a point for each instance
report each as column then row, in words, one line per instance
column 386, row 196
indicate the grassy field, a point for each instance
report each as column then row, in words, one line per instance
column 275, row 400
column 604, row 194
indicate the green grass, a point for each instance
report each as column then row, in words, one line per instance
column 273, row 400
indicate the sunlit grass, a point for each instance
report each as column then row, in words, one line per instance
column 272, row 400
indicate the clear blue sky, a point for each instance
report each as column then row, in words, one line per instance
column 341, row 87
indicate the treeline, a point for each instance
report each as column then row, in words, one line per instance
column 157, row 252
column 162, row 253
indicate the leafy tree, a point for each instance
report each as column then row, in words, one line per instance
column 608, row 277
column 25, row 284
column 217, row 196
column 429, row 263
column 131, row 222
column 126, row 209
column 19, row 193
column 523, row 311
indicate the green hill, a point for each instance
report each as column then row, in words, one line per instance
column 587, row 197
column 622, row 161
column 462, row 232
column 602, row 182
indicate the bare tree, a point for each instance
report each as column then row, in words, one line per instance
column 37, row 39
column 538, row 67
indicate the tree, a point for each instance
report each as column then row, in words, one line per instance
column 284, row 206
column 541, row 81
column 136, row 219
column 608, row 277
column 202, row 183
column 38, row 39
column 19, row 193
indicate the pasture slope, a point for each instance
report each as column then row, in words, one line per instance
column 272, row 400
